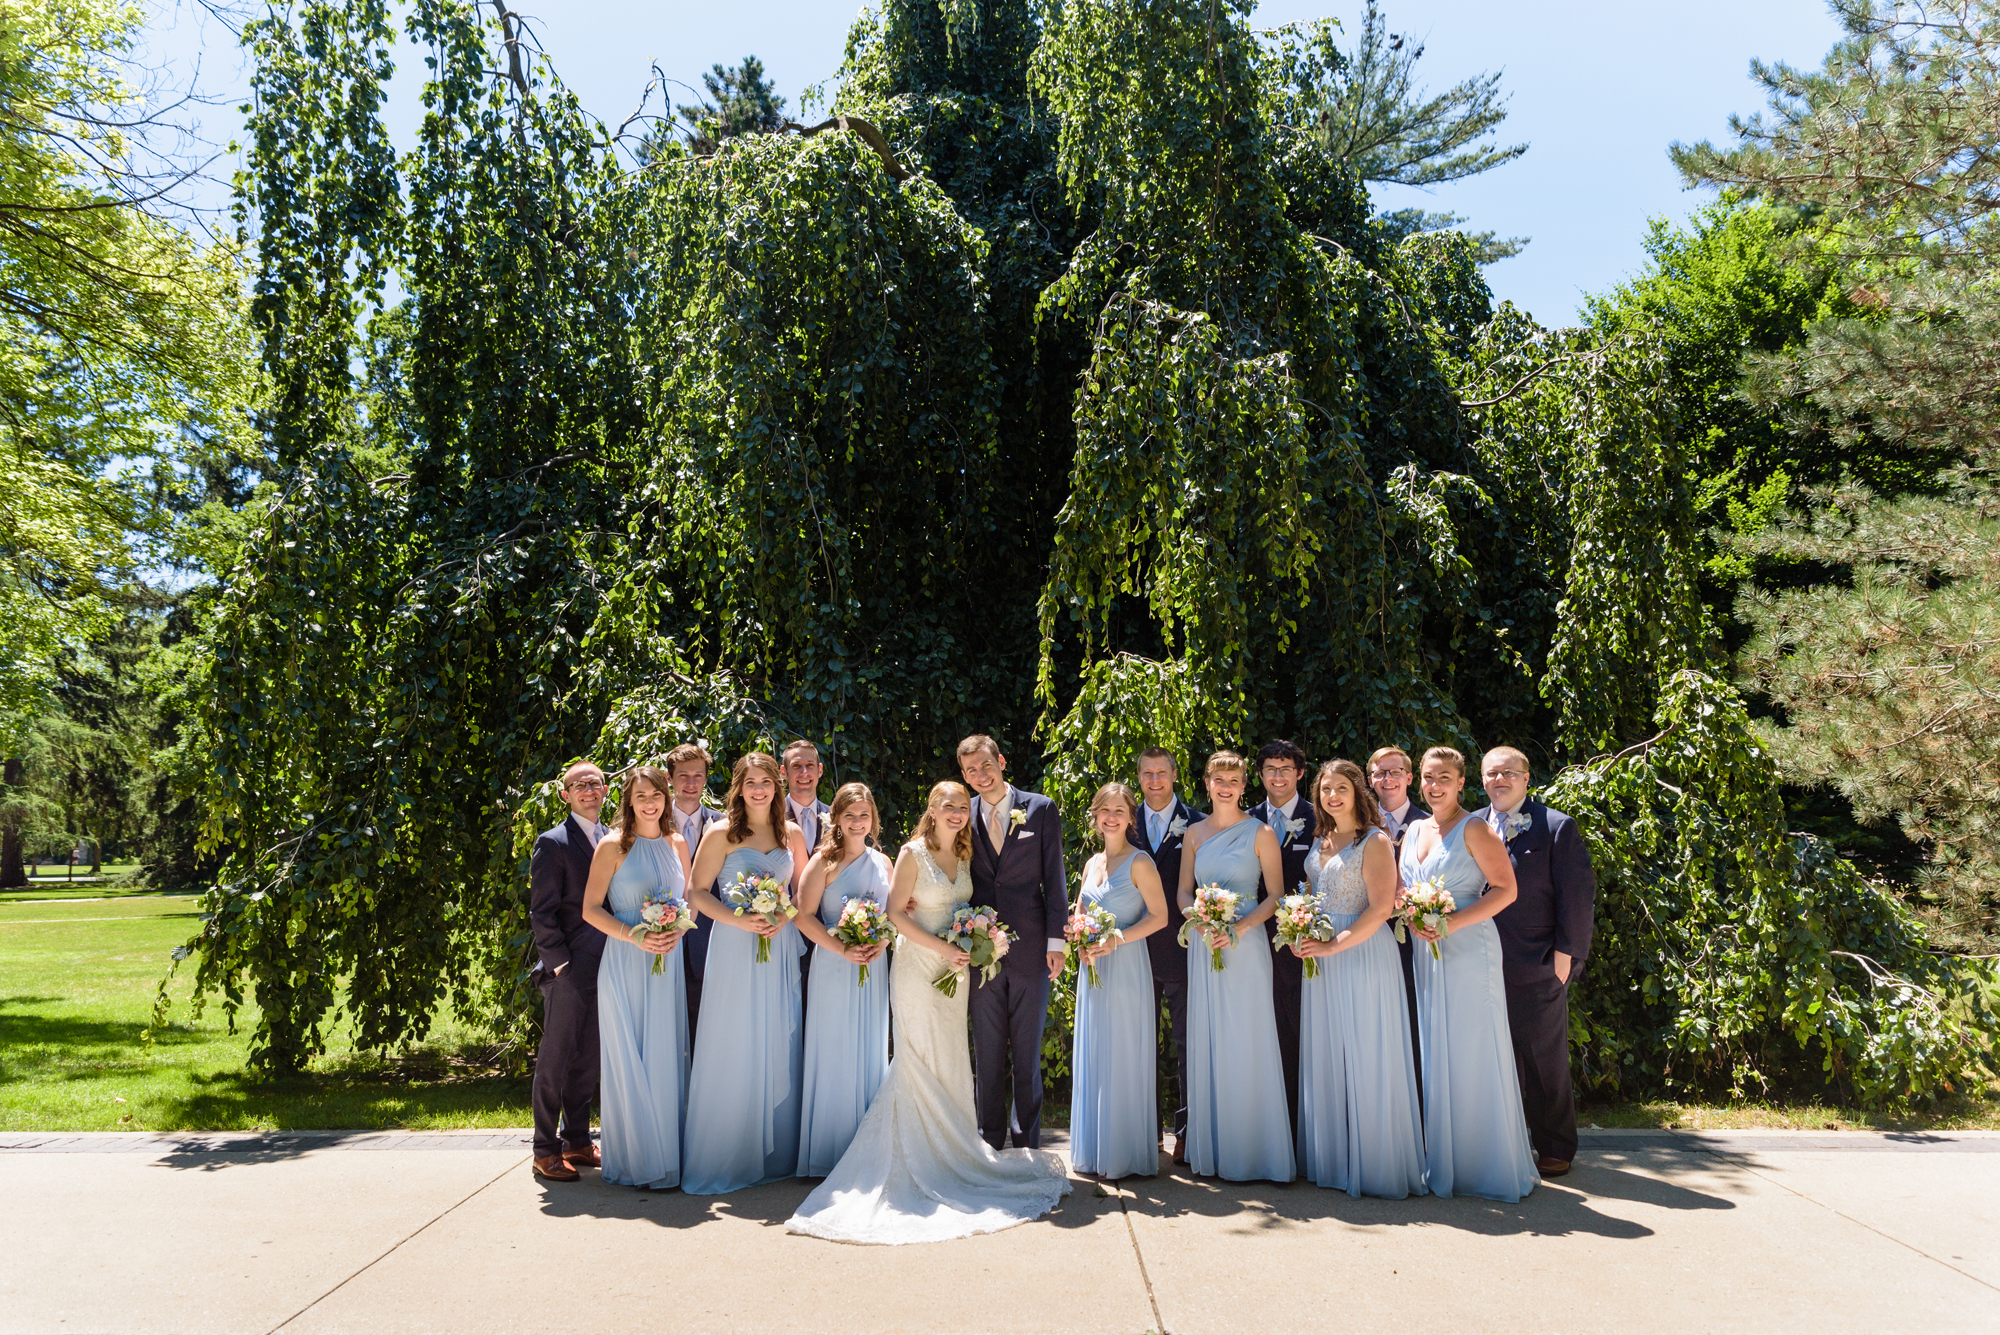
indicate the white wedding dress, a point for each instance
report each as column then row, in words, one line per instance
column 917, row 1170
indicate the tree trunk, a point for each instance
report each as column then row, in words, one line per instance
column 11, row 873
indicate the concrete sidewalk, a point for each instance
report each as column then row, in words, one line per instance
column 1654, row 1231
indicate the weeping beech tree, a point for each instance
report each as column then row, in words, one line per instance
column 1061, row 388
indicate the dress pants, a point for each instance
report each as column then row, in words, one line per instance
column 1008, row 1015
column 1287, row 987
column 1403, row 948
column 1172, row 993
column 1538, row 1017
column 565, row 1065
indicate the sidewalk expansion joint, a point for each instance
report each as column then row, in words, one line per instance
column 1139, row 1256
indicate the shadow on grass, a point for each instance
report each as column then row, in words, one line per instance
column 84, row 1046
column 1555, row 1209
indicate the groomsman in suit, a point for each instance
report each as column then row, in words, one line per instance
column 1282, row 766
column 687, row 768
column 1017, row 867
column 1544, row 939
column 569, row 949
column 1389, row 774
column 802, row 804
column 1163, row 824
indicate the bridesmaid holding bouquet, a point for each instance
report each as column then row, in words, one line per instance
column 1475, row 1134
column 641, row 1015
column 1114, row 1106
column 1359, row 1128
column 743, row 1090
column 1239, row 1127
column 847, row 1019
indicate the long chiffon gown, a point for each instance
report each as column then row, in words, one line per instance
column 642, row 1030
column 1475, row 1134
column 743, row 1091
column 1114, row 1108
column 1238, row 1125
column 847, row 1027
column 917, row 1170
column 1359, row 1129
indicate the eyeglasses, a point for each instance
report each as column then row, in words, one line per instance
column 1507, row 774
column 1388, row 774
column 585, row 785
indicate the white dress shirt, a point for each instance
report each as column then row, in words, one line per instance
column 807, row 819
column 1397, row 819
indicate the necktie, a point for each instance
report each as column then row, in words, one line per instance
column 996, row 823
column 1154, row 820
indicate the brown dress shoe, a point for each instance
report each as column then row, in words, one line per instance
column 1551, row 1167
column 555, row 1170
column 587, row 1157
column 1180, row 1149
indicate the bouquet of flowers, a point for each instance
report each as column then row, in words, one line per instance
column 762, row 895
column 1299, row 919
column 1090, row 925
column 862, row 923
column 1425, row 904
column 979, row 933
column 660, row 916
column 1214, row 911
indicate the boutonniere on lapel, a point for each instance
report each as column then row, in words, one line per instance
column 1513, row 823
column 1016, row 819
column 1287, row 827
column 1177, row 827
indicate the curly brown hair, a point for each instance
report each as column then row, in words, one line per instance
column 927, row 828
column 739, row 812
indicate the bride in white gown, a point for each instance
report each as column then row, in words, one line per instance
column 917, row 1170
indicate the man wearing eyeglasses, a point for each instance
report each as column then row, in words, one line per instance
column 569, row 947
column 1544, row 937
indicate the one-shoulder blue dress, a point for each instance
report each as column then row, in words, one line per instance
column 1475, row 1134
column 1238, row 1125
column 847, row 1027
column 1359, row 1129
column 1114, row 1107
column 743, row 1090
column 642, row 1030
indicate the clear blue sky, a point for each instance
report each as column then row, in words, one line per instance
column 1599, row 91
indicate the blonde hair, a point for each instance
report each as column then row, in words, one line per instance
column 739, row 811
column 927, row 827
column 628, row 819
column 1382, row 751
column 1225, row 760
column 1367, row 810
column 1448, row 756
column 1115, row 792
column 850, row 794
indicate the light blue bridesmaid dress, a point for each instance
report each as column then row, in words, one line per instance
column 847, row 1027
column 743, row 1091
column 642, row 1031
column 1359, row 1129
column 1114, row 1109
column 1238, row 1125
column 1475, row 1134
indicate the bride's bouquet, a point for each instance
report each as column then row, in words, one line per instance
column 765, row 896
column 1214, row 911
column 863, row 923
column 1299, row 919
column 1426, row 904
column 979, row 933
column 658, row 916
column 1090, row 925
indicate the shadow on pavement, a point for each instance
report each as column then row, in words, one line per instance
column 1557, row 1208
column 769, row 1205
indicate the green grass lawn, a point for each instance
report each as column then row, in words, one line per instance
column 76, row 991
column 114, row 880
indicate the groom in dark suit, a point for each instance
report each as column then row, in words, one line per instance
column 687, row 767
column 569, row 948
column 1281, row 766
column 1544, row 938
column 1017, row 868
column 1389, row 774
column 1163, row 824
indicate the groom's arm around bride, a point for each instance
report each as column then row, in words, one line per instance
column 1017, row 868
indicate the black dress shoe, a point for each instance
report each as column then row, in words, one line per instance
column 1549, row 1166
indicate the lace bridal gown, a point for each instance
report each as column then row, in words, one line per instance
column 917, row 1170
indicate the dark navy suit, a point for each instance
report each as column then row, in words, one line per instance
column 1024, row 881
column 569, row 949
column 1287, row 969
column 694, row 946
column 1557, row 891
column 1414, row 813
column 1163, row 948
